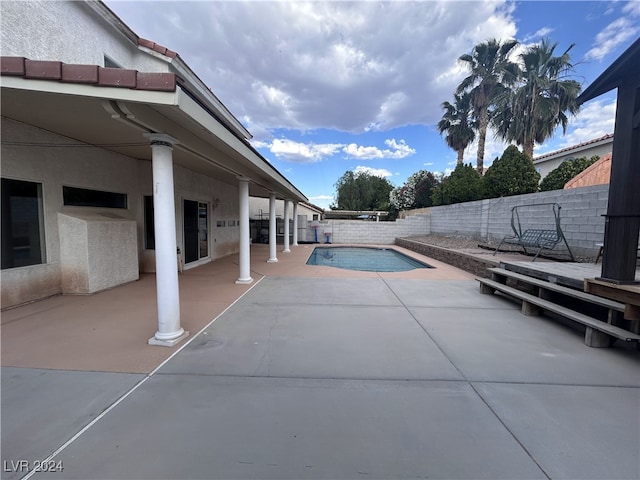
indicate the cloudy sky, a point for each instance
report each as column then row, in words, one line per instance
column 327, row 87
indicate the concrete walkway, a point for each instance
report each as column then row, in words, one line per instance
column 318, row 374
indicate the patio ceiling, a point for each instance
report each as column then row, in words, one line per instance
column 116, row 119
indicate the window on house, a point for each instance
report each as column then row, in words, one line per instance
column 83, row 197
column 22, row 224
column 149, row 225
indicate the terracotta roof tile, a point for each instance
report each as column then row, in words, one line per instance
column 117, row 77
column 143, row 42
column 597, row 174
column 88, row 74
column 156, row 81
column 79, row 73
column 44, row 69
column 12, row 66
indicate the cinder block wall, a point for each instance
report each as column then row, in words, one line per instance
column 581, row 216
column 367, row 232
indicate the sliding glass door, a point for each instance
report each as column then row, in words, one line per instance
column 196, row 235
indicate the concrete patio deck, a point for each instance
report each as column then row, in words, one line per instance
column 313, row 372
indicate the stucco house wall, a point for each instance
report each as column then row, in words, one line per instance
column 69, row 164
column 69, row 32
column 78, row 165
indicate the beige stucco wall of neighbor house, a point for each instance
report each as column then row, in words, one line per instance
column 546, row 164
column 86, row 37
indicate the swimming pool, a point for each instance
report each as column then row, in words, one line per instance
column 367, row 259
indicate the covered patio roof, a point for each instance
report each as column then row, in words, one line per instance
column 115, row 117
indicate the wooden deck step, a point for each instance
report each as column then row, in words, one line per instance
column 553, row 287
column 598, row 333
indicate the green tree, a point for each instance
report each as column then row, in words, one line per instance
column 415, row 193
column 541, row 99
column 362, row 191
column 463, row 185
column 511, row 174
column 458, row 124
column 424, row 185
column 490, row 73
column 557, row 178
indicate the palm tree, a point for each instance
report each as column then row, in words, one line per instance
column 490, row 72
column 458, row 123
column 540, row 101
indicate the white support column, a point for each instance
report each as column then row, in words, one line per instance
column 245, row 250
column 272, row 228
column 295, row 224
column 164, row 215
column 286, row 227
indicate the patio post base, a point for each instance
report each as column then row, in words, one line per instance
column 168, row 343
column 244, row 281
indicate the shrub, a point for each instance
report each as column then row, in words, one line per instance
column 511, row 174
column 463, row 185
column 557, row 178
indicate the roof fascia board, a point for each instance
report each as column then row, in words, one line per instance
column 205, row 95
column 191, row 108
column 89, row 90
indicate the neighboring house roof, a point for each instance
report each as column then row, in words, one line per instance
column 311, row 206
column 575, row 148
column 597, row 174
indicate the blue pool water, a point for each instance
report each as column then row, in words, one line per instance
column 365, row 259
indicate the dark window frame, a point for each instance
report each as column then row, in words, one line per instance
column 88, row 197
column 23, row 231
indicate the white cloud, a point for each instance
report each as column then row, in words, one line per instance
column 363, row 153
column 397, row 149
column 297, row 152
column 632, row 9
column 349, row 66
column 378, row 172
column 596, row 118
column 445, row 173
column 322, row 201
column 617, row 32
column 543, row 32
